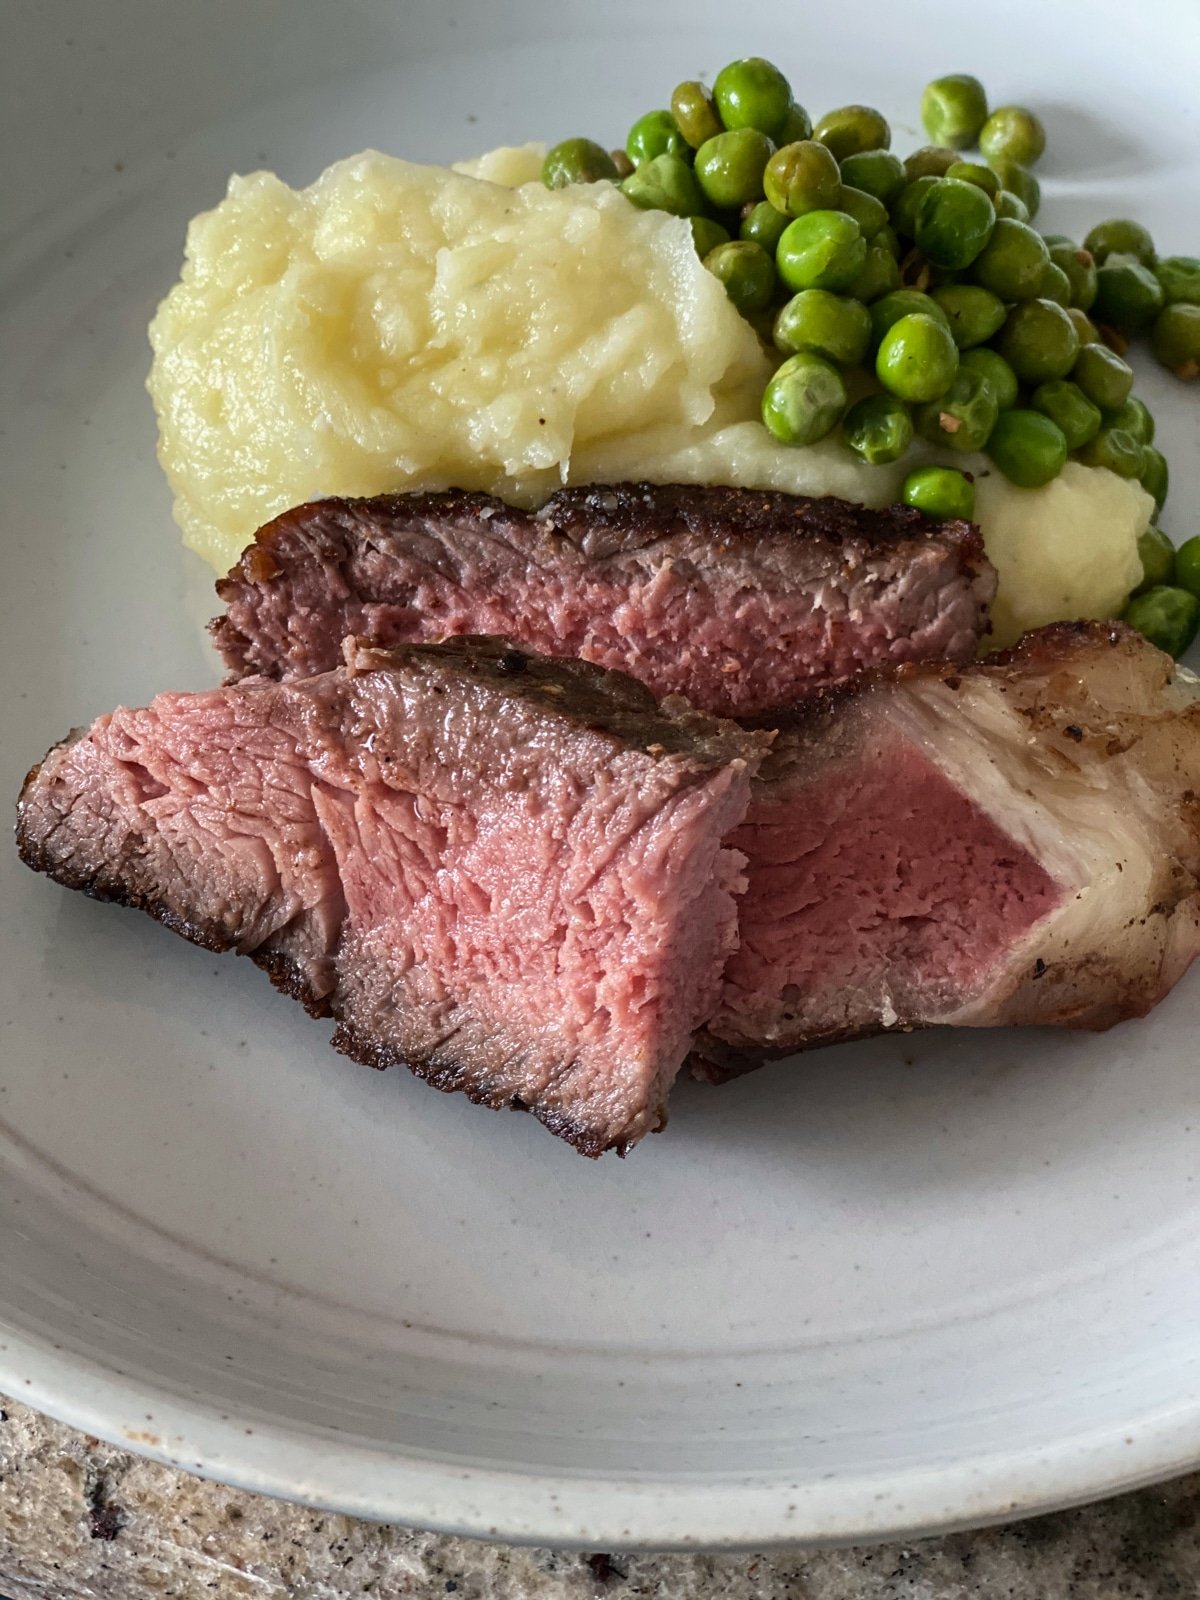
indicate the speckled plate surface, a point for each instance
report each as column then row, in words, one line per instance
column 905, row 1285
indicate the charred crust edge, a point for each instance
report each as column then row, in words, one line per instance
column 721, row 514
column 601, row 699
column 1055, row 645
column 717, row 1061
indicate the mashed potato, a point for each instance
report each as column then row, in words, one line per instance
column 509, row 164
column 1063, row 551
column 398, row 326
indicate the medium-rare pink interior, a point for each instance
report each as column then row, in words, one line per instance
column 881, row 888
column 517, row 885
column 572, row 934
column 720, row 639
column 739, row 601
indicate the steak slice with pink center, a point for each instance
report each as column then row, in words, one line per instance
column 507, row 872
column 1015, row 841
column 741, row 600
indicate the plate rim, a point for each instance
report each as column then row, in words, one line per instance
column 588, row 1513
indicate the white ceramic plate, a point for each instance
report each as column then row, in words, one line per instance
column 892, row 1287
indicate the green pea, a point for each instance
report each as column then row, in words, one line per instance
column 1179, row 277
column 1018, row 180
column 962, row 419
column 763, row 225
column 907, row 205
column 870, row 214
column 1115, row 449
column 1083, row 325
column 1011, row 206
column 995, row 372
column 655, row 134
column 1066, row 404
column 903, row 303
column 1118, row 236
column 622, row 163
column 796, row 125
column 878, row 429
column 1038, row 341
column 1158, row 559
column 930, row 161
column 877, row 172
column 880, row 274
column 1028, row 448
column 729, row 168
column 1056, row 286
column 954, row 109
column 974, row 314
column 1013, row 262
column 1054, row 240
column 827, row 324
column 821, row 250
column 1187, row 565
column 954, row 223
column 666, row 183
column 1014, row 133
column 805, row 400
column 917, row 358
column 694, row 112
column 1176, row 339
column 940, row 492
column 972, row 172
column 802, row 177
column 1103, row 376
column 747, row 272
column 1128, row 295
column 751, row 93
column 1168, row 617
column 851, row 129
column 1079, row 268
column 577, row 161
column 1155, row 476
column 707, row 235
column 1136, row 418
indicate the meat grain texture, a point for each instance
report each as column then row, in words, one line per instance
column 506, row 872
column 1015, row 841
column 738, row 599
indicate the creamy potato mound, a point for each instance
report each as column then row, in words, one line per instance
column 399, row 327
column 1064, row 551
column 509, row 164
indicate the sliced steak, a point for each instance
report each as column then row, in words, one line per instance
column 506, row 872
column 1017, row 841
column 739, row 599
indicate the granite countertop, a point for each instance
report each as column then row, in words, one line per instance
column 80, row 1520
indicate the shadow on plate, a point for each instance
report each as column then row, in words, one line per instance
column 1082, row 146
column 953, row 1109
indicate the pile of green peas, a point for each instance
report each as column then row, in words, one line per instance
column 921, row 288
